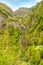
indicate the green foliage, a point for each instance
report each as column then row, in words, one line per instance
column 11, row 30
column 41, row 63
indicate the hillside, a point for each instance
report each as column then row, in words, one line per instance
column 5, row 9
column 21, row 35
column 21, row 11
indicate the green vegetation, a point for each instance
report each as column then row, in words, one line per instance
column 21, row 37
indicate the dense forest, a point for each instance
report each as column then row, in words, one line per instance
column 21, row 35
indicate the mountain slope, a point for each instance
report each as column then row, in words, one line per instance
column 21, row 11
column 5, row 9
